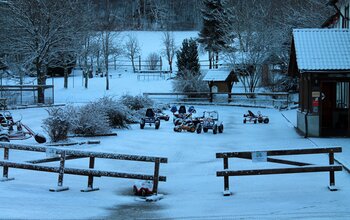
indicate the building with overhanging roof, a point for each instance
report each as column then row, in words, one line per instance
column 321, row 59
column 220, row 80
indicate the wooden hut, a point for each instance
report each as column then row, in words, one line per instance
column 220, row 80
column 321, row 59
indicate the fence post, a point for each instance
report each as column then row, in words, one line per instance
column 5, row 175
column 139, row 63
column 331, row 173
column 156, row 176
column 226, row 179
column 90, row 186
column 60, row 186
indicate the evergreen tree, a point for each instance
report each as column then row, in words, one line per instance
column 216, row 33
column 187, row 58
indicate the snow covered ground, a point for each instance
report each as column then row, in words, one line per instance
column 192, row 190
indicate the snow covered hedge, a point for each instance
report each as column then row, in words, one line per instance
column 97, row 117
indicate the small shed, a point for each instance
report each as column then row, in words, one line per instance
column 321, row 60
column 220, row 80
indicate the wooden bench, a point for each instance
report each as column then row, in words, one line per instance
column 65, row 154
column 299, row 167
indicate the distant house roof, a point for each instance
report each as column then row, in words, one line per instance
column 217, row 75
column 322, row 49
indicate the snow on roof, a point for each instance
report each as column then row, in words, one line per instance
column 217, row 75
column 322, row 49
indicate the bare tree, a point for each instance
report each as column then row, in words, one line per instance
column 169, row 48
column 152, row 61
column 132, row 49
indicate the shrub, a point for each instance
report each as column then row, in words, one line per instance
column 57, row 125
column 136, row 102
column 91, row 119
column 116, row 112
column 152, row 61
column 190, row 83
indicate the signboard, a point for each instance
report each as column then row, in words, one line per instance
column 51, row 152
column 259, row 156
column 316, row 94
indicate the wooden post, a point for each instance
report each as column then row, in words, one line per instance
column 5, row 175
column 156, row 176
column 139, row 63
column 90, row 177
column 331, row 173
column 60, row 186
column 226, row 179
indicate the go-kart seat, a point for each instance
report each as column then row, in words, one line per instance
column 182, row 109
column 150, row 113
column 250, row 113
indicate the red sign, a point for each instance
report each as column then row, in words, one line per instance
column 315, row 103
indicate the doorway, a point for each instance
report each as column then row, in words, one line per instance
column 335, row 111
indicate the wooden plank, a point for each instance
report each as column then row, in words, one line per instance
column 85, row 153
column 279, row 170
column 282, row 152
column 52, row 159
column 274, row 160
column 82, row 172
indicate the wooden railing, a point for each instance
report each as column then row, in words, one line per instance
column 265, row 156
column 255, row 98
column 65, row 154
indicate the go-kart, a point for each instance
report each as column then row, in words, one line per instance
column 150, row 119
column 181, row 114
column 143, row 188
column 210, row 121
column 251, row 117
column 161, row 115
column 188, row 125
column 11, row 130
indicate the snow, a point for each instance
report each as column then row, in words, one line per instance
column 192, row 190
column 322, row 49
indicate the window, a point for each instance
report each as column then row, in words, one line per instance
column 342, row 96
column 346, row 17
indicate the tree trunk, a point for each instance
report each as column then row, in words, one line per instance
column 133, row 63
column 209, row 54
column 217, row 60
column 171, row 66
column 65, row 77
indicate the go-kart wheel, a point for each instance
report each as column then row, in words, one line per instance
column 177, row 121
column 157, row 124
column 260, row 120
column 192, row 129
column 221, row 128
column 143, row 192
column 255, row 121
column 244, row 121
column 134, row 190
column 199, row 129
column 167, row 119
column 215, row 129
column 4, row 138
column 177, row 129
column 266, row 120
column 205, row 130
column 142, row 123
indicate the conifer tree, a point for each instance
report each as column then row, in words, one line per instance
column 216, row 33
column 187, row 58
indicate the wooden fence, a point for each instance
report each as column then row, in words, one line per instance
column 64, row 154
column 299, row 167
column 277, row 98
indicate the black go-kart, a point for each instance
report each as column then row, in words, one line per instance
column 150, row 119
column 210, row 120
column 254, row 118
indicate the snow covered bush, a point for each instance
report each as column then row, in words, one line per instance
column 91, row 119
column 152, row 61
column 190, row 83
column 116, row 112
column 136, row 102
column 57, row 125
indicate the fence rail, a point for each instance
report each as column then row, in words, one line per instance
column 264, row 99
column 264, row 156
column 62, row 155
